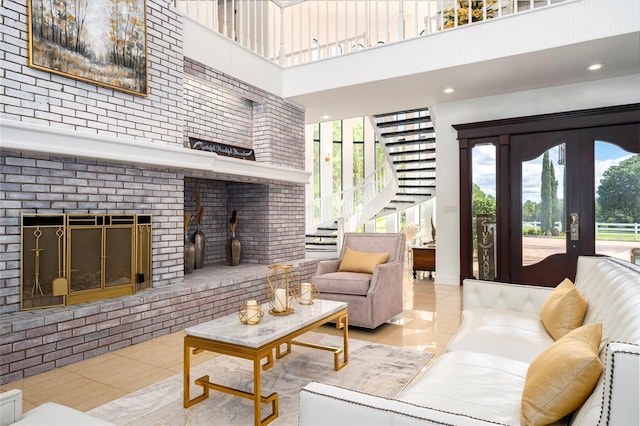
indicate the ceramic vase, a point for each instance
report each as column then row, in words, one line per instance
column 189, row 255
column 201, row 245
column 233, row 251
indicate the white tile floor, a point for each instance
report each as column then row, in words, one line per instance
column 431, row 316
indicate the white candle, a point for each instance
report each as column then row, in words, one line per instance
column 280, row 301
column 305, row 293
column 253, row 313
column 253, row 310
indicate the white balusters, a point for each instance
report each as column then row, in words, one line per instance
column 298, row 31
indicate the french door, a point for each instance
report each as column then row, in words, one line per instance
column 558, row 173
column 548, row 174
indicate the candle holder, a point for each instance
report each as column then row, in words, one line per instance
column 280, row 284
column 250, row 313
column 305, row 293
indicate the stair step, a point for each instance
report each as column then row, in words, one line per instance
column 405, row 121
column 414, row 151
column 327, row 228
column 391, row 114
column 411, row 141
column 322, row 243
column 416, row 186
column 414, row 178
column 413, row 194
column 420, row 169
column 405, row 133
column 417, row 160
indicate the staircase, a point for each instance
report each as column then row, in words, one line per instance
column 408, row 179
column 409, row 140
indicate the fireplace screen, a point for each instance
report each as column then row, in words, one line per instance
column 69, row 259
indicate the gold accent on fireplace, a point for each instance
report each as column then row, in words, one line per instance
column 68, row 259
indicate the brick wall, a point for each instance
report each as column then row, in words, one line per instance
column 40, row 97
column 33, row 342
column 226, row 110
column 271, row 225
column 47, row 184
column 231, row 111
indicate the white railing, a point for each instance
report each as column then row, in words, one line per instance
column 291, row 32
column 350, row 204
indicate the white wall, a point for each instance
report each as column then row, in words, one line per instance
column 599, row 93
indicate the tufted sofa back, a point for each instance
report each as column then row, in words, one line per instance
column 612, row 289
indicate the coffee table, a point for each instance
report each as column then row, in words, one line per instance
column 228, row 336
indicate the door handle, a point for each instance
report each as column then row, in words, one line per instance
column 574, row 226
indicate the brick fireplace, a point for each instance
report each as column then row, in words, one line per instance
column 73, row 148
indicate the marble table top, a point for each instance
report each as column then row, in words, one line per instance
column 229, row 329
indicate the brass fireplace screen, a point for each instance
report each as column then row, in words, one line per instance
column 68, row 259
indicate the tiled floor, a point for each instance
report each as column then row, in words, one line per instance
column 431, row 316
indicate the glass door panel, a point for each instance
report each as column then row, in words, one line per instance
column 617, row 192
column 543, row 207
column 483, row 208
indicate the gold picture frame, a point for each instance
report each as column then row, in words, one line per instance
column 103, row 42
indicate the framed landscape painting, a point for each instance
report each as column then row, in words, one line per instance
column 98, row 41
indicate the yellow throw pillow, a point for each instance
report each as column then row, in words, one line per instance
column 358, row 261
column 563, row 310
column 562, row 377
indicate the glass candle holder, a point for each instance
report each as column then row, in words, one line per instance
column 280, row 282
column 305, row 293
column 250, row 313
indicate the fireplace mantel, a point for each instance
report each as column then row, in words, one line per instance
column 27, row 137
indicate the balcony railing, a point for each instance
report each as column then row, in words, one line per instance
column 291, row 32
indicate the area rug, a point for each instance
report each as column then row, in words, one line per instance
column 373, row 368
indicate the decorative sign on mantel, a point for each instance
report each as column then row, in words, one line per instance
column 223, row 149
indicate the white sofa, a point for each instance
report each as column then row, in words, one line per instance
column 47, row 414
column 480, row 379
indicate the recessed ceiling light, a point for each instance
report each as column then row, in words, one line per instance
column 449, row 90
column 325, row 117
column 594, row 67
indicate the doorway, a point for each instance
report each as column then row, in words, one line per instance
column 565, row 185
column 556, row 213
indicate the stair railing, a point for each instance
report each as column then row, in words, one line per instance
column 348, row 206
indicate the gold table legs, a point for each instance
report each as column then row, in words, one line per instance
column 193, row 345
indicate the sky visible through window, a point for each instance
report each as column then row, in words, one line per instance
column 484, row 174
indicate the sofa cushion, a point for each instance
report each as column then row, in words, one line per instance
column 563, row 310
column 343, row 282
column 360, row 261
column 477, row 385
column 516, row 335
column 561, row 378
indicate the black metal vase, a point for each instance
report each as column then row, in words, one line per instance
column 200, row 242
column 189, row 255
column 233, row 249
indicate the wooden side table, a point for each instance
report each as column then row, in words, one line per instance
column 424, row 259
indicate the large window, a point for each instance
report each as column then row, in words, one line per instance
column 336, row 156
column 316, row 160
